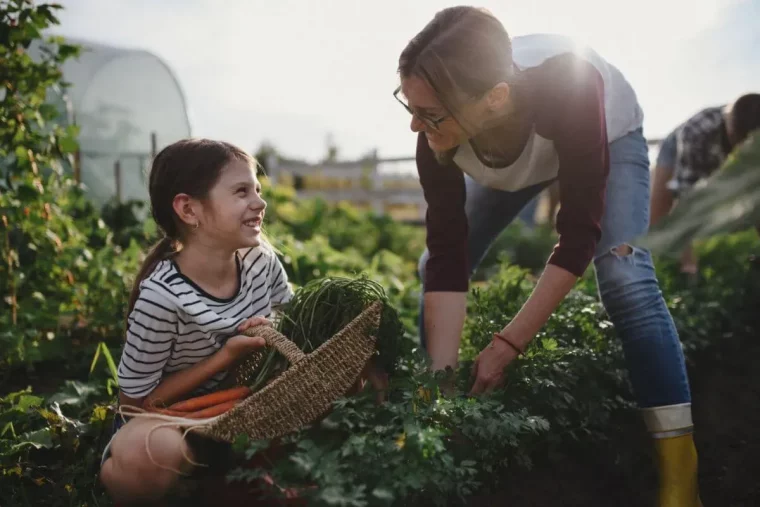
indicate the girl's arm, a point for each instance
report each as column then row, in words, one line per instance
column 151, row 333
column 175, row 386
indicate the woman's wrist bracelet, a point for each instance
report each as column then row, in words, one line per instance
column 509, row 342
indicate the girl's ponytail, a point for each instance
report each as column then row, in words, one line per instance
column 160, row 251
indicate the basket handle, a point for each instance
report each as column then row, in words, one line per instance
column 274, row 339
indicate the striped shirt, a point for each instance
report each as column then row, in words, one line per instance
column 175, row 324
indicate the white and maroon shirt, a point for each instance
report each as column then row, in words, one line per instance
column 580, row 104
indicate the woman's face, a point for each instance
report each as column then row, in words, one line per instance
column 442, row 130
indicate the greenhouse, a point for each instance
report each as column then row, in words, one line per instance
column 128, row 104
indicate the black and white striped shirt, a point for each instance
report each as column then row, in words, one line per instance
column 176, row 324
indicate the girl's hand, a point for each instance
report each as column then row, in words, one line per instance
column 253, row 322
column 241, row 345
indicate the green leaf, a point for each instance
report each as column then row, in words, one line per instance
column 110, row 361
column 66, row 398
column 48, row 111
column 8, row 427
column 21, row 154
column 26, row 192
column 95, row 359
column 74, row 393
column 68, row 144
column 38, row 439
column 549, row 344
column 27, row 401
column 111, row 386
column 68, row 50
column 383, row 494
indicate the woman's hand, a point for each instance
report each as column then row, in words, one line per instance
column 552, row 287
column 377, row 378
column 488, row 369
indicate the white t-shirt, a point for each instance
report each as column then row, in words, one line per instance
column 621, row 106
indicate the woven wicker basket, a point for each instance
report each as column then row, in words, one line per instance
column 306, row 390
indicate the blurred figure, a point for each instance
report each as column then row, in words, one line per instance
column 694, row 151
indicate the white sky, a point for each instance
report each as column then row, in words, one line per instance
column 294, row 71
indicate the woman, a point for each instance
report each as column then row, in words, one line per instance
column 500, row 120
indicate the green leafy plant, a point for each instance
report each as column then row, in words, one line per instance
column 64, row 279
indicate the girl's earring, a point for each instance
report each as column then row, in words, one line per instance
column 197, row 224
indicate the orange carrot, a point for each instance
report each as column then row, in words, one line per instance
column 209, row 400
column 213, row 410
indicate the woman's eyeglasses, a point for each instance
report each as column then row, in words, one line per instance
column 427, row 120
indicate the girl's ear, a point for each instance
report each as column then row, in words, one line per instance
column 187, row 209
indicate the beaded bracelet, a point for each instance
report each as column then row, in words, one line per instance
column 505, row 340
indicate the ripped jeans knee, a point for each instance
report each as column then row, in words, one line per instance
column 622, row 250
column 631, row 295
column 624, row 270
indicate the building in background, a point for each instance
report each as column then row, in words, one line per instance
column 385, row 186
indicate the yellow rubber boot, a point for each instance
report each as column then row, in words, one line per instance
column 677, row 460
column 672, row 430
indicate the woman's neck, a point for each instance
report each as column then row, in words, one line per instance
column 212, row 269
column 506, row 140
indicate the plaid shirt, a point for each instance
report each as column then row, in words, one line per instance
column 702, row 147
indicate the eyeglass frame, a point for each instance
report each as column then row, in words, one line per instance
column 430, row 122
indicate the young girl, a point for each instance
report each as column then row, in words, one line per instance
column 209, row 278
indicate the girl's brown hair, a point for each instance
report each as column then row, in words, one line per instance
column 189, row 166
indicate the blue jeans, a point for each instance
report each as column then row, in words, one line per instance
column 627, row 283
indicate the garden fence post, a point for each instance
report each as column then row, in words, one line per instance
column 117, row 179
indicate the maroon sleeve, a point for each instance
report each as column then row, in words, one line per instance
column 571, row 112
column 443, row 186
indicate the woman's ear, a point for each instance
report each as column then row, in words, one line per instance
column 187, row 209
column 498, row 97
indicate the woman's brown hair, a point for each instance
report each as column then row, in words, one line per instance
column 462, row 53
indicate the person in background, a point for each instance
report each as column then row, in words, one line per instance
column 499, row 119
column 694, row 151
